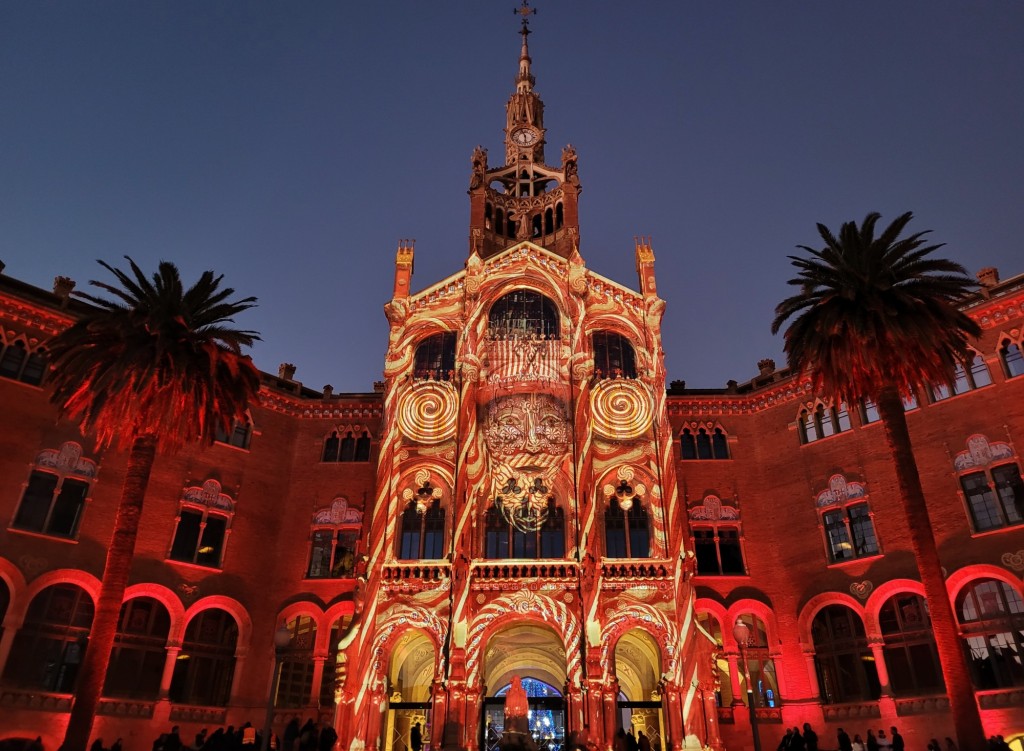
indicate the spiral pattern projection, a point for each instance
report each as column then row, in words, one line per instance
column 428, row 412
column 622, row 409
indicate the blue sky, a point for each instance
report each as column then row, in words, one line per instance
column 290, row 145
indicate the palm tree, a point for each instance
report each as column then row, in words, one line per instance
column 874, row 316
column 149, row 370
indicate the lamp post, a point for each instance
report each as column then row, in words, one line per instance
column 742, row 633
column 282, row 638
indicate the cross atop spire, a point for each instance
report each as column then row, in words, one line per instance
column 525, row 79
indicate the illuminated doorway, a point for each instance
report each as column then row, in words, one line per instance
column 534, row 653
column 638, row 669
column 410, row 675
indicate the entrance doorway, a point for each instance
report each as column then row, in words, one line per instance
column 546, row 719
column 410, row 674
column 638, row 669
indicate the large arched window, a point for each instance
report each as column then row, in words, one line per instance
column 910, row 654
column 49, row 647
column 613, row 356
column 504, row 541
column 703, row 444
column 422, row 533
column 627, row 531
column 992, row 619
column 1012, row 358
column 140, row 650
column 823, row 422
column 435, row 357
column 205, row 666
column 18, row 364
column 523, row 314
column 760, row 664
column 295, row 685
column 846, row 668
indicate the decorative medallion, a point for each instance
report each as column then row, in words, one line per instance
column 481, row 598
column 423, row 493
column 622, row 409
column 428, row 411
column 626, row 492
column 567, row 598
column 862, row 589
column 1014, row 561
column 188, row 592
column 32, row 565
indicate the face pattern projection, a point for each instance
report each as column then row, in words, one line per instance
column 527, row 438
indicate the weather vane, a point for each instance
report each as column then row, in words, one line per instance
column 525, row 11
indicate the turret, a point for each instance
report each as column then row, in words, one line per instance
column 403, row 268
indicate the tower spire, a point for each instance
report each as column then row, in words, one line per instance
column 525, row 79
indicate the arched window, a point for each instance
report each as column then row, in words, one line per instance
column 502, row 541
column 1012, row 358
column 760, row 664
column 56, row 493
column 723, row 694
column 499, row 222
column 702, row 444
column 909, row 649
column 332, row 448
column 18, row 364
column 523, row 314
column 965, row 379
column 295, row 685
column 849, row 532
column 327, row 682
column 846, row 668
column 613, row 356
column 823, row 422
column 995, row 497
column 991, row 615
column 435, row 357
column 422, row 532
column 333, row 542
column 627, row 531
column 206, row 664
column 559, row 216
column 488, row 216
column 201, row 529
column 140, row 650
column 549, row 222
column 363, row 448
column 348, row 448
column 48, row 649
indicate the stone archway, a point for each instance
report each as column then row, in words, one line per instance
column 410, row 674
column 638, row 670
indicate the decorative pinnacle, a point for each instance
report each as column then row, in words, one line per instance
column 524, row 80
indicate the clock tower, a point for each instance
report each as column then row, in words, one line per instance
column 524, row 199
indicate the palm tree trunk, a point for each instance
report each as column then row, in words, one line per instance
column 962, row 703
column 115, row 578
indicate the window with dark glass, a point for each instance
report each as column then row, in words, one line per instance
column 48, row 649
column 823, row 422
column 18, row 364
column 332, row 553
column 295, row 684
column 965, row 379
column 613, row 356
column 909, row 646
column 995, row 499
column 761, row 666
column 718, row 551
column 701, row 444
column 199, row 538
column 206, row 664
column 523, row 313
column 503, row 541
column 844, row 662
column 51, row 504
column 1012, row 358
column 850, row 533
column 435, row 357
column 240, row 435
column 347, row 448
column 422, row 532
column 627, row 531
column 991, row 615
column 140, row 650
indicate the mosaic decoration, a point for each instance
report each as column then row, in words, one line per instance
column 428, row 412
column 862, row 589
column 980, row 453
column 839, row 490
column 622, row 409
column 67, row 459
column 338, row 513
column 209, row 495
column 712, row 510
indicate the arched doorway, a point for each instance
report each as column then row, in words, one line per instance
column 535, row 653
column 410, row 676
column 638, row 670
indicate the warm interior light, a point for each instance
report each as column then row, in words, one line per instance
column 184, row 657
column 206, row 549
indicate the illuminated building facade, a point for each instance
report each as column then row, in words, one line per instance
column 522, row 495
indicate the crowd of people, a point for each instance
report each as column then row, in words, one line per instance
column 807, row 740
column 311, row 736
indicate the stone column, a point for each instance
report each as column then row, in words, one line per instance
column 319, row 661
column 173, row 650
column 734, row 679
column 812, row 676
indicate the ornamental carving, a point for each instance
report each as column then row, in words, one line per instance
column 338, row 513
column 209, row 495
column 68, row 459
column 712, row 510
column 839, row 490
column 980, row 453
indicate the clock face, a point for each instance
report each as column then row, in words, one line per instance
column 523, row 136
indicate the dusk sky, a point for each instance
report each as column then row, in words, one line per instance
column 290, row 145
